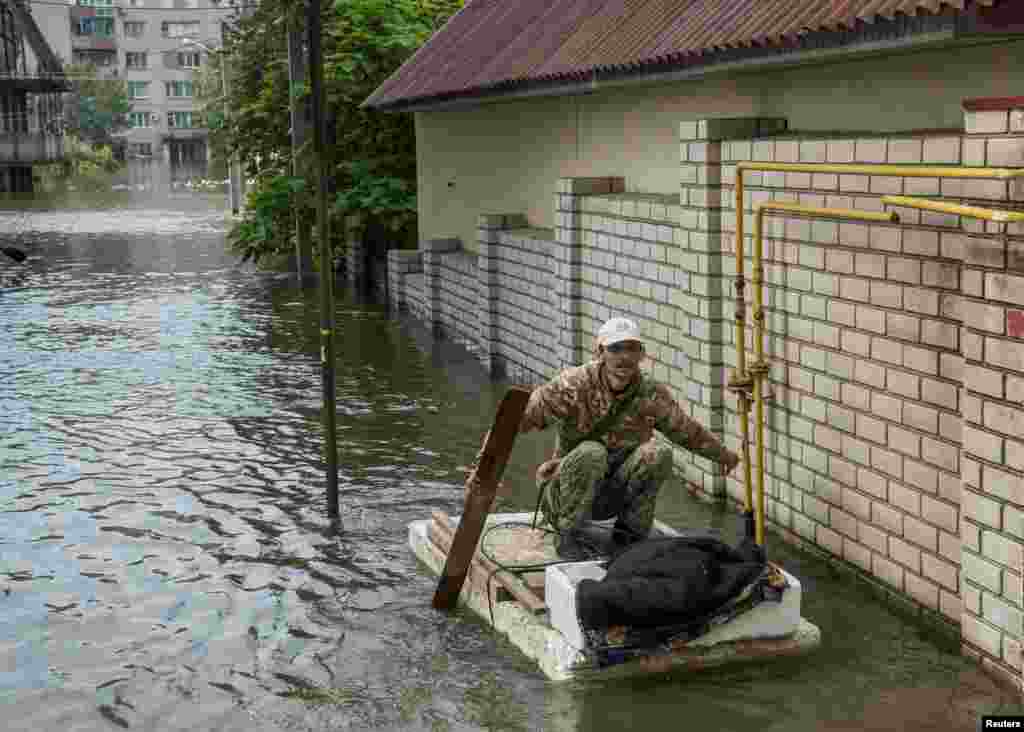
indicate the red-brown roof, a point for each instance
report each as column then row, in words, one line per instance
column 496, row 43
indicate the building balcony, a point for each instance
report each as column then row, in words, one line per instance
column 93, row 42
column 77, row 12
column 105, row 62
column 26, row 148
column 184, row 133
column 36, row 83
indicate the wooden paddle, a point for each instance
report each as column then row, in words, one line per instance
column 480, row 496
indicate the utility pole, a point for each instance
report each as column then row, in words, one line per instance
column 297, row 80
column 327, row 354
column 234, row 171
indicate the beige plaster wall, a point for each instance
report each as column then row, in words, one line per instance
column 921, row 90
column 505, row 157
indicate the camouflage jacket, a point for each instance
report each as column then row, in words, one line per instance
column 578, row 398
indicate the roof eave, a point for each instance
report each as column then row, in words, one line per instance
column 772, row 58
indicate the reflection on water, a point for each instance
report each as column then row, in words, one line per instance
column 165, row 558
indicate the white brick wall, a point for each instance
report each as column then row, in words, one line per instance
column 896, row 435
column 889, row 434
column 991, row 356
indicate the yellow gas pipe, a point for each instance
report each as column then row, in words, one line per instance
column 759, row 369
column 975, row 212
column 740, row 380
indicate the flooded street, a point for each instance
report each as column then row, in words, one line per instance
column 165, row 558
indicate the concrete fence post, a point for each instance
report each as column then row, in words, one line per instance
column 489, row 228
column 401, row 263
column 707, row 227
column 355, row 255
column 433, row 250
column 568, row 252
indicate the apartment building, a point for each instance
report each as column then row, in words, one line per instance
column 148, row 44
column 31, row 84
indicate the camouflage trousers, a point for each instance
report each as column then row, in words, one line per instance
column 594, row 483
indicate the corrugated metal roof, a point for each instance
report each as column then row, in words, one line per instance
column 490, row 44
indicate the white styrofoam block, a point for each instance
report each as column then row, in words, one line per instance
column 766, row 620
column 560, row 581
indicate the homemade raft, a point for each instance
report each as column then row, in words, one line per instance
column 537, row 611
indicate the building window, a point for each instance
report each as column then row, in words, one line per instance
column 138, row 120
column 179, row 88
column 180, row 29
column 184, row 120
column 141, row 148
column 136, row 60
column 134, row 28
column 138, row 89
column 94, row 27
column 94, row 58
column 188, row 60
column 104, row 8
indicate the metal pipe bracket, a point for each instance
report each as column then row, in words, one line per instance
column 740, row 384
column 758, row 368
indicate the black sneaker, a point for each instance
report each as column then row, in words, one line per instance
column 572, row 545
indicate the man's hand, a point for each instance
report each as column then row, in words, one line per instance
column 729, row 462
column 473, row 483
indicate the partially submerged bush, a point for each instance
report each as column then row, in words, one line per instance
column 266, row 226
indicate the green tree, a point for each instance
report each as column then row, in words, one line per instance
column 370, row 156
column 99, row 106
column 84, row 166
column 95, row 110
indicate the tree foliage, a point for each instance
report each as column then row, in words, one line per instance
column 99, row 106
column 266, row 227
column 370, row 156
column 85, row 166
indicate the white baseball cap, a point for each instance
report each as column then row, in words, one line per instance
column 618, row 329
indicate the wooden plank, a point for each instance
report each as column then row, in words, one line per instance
column 496, row 451
column 534, row 581
column 441, row 532
column 477, row 581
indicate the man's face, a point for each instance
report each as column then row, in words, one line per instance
column 622, row 362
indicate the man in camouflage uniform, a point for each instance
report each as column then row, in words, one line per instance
column 607, row 463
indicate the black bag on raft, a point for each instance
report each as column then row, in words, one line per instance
column 671, row 581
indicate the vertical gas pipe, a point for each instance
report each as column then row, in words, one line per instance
column 760, row 368
column 739, row 380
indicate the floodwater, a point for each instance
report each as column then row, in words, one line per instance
column 165, row 558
